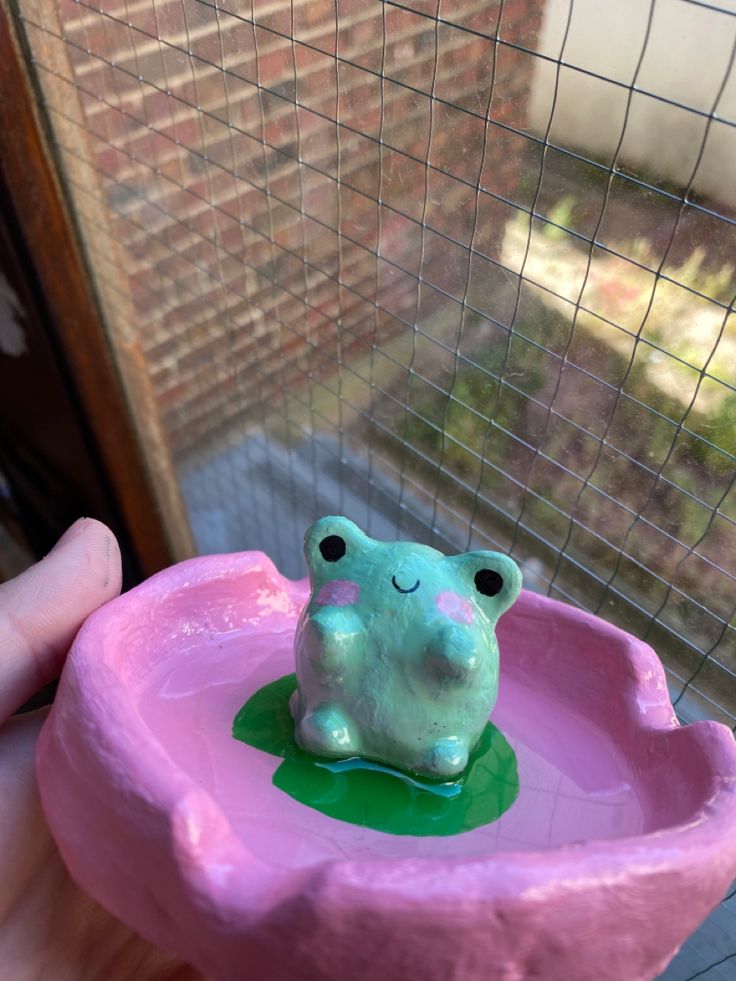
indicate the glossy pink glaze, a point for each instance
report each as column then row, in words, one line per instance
column 455, row 607
column 339, row 592
column 622, row 839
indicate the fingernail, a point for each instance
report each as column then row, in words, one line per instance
column 71, row 533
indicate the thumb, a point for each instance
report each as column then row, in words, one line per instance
column 42, row 609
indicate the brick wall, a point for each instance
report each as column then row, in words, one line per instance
column 273, row 200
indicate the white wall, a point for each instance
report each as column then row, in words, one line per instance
column 687, row 55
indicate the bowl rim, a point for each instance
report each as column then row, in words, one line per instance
column 144, row 774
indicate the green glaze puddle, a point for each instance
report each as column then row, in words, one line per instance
column 371, row 794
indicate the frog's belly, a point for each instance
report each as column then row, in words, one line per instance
column 399, row 708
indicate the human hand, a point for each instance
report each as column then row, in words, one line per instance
column 49, row 930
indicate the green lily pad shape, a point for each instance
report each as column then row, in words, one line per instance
column 374, row 795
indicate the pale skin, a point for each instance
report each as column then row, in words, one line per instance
column 48, row 927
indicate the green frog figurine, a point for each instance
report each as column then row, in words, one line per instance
column 396, row 651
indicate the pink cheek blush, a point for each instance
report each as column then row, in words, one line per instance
column 455, row 607
column 339, row 592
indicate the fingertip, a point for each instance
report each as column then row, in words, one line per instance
column 104, row 544
column 94, row 550
column 42, row 609
column 72, row 531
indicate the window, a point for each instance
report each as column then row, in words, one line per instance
column 463, row 271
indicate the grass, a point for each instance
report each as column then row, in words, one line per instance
column 547, row 484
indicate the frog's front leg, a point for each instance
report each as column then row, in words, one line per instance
column 451, row 657
column 330, row 642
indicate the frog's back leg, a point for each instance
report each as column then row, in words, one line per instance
column 327, row 730
column 447, row 757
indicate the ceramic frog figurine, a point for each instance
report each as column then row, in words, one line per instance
column 396, row 652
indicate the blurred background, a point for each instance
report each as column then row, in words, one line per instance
column 462, row 270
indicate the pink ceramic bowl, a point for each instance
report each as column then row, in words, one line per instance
column 622, row 838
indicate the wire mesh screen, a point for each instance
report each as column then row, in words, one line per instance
column 462, row 270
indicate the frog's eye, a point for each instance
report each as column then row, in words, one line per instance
column 332, row 548
column 488, row 582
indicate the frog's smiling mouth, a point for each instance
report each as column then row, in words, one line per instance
column 400, row 590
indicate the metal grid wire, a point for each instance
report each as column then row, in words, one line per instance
column 373, row 263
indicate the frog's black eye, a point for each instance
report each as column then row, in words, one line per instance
column 488, row 582
column 332, row 548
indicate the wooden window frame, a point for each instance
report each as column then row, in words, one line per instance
column 144, row 483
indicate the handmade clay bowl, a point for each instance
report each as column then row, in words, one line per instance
column 621, row 840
